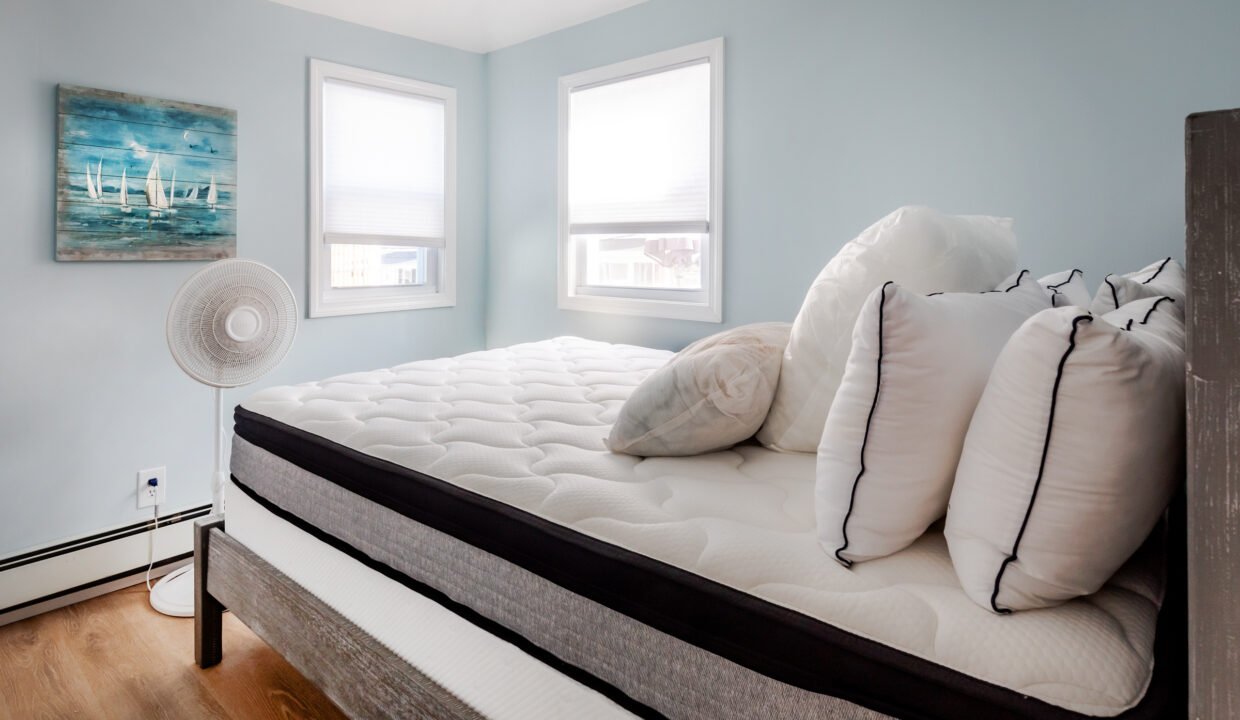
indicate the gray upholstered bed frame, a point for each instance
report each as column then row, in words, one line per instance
column 365, row 679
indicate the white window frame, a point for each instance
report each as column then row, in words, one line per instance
column 652, row 302
column 326, row 301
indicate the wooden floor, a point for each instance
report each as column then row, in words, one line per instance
column 115, row 657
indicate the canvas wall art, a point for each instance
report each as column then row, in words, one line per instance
column 139, row 178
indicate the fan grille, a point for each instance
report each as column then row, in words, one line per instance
column 232, row 322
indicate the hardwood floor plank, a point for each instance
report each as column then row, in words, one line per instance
column 42, row 678
column 115, row 657
column 118, row 647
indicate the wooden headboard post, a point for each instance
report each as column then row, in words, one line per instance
column 1212, row 147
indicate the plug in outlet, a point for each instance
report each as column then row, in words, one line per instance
column 149, row 494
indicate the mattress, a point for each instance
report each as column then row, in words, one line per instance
column 704, row 590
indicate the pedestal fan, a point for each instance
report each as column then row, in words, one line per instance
column 230, row 323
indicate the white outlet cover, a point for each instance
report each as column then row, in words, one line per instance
column 147, row 495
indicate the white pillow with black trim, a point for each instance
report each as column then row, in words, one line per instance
column 1067, row 288
column 1165, row 277
column 1074, row 451
column 893, row 436
column 1162, row 315
column 1165, row 273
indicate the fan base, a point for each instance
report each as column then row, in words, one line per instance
column 174, row 593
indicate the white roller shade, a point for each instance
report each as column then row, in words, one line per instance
column 383, row 166
column 639, row 154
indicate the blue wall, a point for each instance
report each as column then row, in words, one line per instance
column 88, row 391
column 1066, row 115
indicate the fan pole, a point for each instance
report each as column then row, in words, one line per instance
column 174, row 593
column 221, row 476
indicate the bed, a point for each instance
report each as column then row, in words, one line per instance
column 450, row 538
column 478, row 489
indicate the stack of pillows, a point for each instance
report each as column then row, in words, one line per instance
column 1045, row 422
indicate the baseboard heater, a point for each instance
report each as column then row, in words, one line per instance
column 61, row 574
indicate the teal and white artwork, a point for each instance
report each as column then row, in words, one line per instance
column 139, row 178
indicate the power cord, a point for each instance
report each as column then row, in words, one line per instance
column 150, row 538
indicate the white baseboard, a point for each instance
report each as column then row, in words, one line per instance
column 93, row 591
column 62, row 574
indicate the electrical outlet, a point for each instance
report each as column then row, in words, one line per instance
column 149, row 495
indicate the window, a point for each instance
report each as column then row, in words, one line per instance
column 641, row 186
column 382, row 195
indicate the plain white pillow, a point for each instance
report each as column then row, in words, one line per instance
column 894, row 434
column 1073, row 453
column 921, row 249
column 709, row 396
column 1165, row 277
column 1067, row 288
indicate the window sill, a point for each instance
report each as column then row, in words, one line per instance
column 669, row 309
column 334, row 308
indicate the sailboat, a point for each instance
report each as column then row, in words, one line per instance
column 155, row 196
column 94, row 186
column 125, row 192
column 151, row 200
column 172, row 193
column 213, row 195
column 192, row 193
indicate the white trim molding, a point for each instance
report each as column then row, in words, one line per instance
column 704, row 305
column 326, row 301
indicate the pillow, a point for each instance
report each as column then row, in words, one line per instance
column 921, row 249
column 1162, row 316
column 1073, row 453
column 1165, row 277
column 1166, row 273
column 893, row 437
column 709, row 396
column 1067, row 288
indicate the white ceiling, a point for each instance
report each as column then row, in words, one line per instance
column 475, row 25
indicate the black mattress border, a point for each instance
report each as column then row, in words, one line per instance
column 780, row 643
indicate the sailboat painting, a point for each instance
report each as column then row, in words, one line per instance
column 139, row 178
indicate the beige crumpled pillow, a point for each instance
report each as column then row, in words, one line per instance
column 710, row 396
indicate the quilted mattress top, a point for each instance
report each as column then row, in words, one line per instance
column 526, row 425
